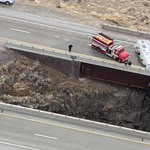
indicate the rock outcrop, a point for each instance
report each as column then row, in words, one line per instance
column 29, row 83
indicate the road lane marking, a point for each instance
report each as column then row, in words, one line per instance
column 64, row 51
column 45, row 136
column 50, row 26
column 19, row 30
column 76, row 129
column 21, row 146
column 43, row 25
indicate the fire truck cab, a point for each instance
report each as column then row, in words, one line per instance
column 105, row 44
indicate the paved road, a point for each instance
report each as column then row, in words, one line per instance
column 57, row 34
column 21, row 133
column 33, row 133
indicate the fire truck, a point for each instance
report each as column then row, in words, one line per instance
column 105, row 44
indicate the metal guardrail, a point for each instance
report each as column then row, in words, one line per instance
column 126, row 30
column 76, row 57
column 74, row 120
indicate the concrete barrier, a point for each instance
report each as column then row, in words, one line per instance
column 126, row 30
column 79, row 57
column 74, row 120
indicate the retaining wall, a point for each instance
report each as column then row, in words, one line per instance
column 126, row 30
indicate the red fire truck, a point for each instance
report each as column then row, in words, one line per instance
column 105, row 44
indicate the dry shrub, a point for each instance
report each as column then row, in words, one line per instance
column 142, row 28
column 21, row 86
column 113, row 2
column 58, row 6
column 145, row 3
column 66, row 6
column 95, row 14
column 1, row 70
column 115, row 18
column 110, row 10
column 132, row 27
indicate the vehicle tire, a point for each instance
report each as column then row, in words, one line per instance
column 98, row 49
column 7, row 3
column 119, row 60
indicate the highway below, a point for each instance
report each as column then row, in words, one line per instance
column 23, row 132
column 58, row 34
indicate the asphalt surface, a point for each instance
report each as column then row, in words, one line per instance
column 34, row 133
column 58, row 34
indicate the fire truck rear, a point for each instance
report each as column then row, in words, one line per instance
column 105, row 44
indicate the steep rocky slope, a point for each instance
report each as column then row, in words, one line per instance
column 30, row 83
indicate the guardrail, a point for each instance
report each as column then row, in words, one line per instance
column 76, row 57
column 126, row 30
column 141, row 134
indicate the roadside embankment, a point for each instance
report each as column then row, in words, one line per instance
column 37, row 83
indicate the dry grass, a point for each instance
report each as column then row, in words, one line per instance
column 115, row 18
column 68, row 7
column 115, row 11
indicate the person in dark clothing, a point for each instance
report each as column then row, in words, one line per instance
column 129, row 63
column 126, row 63
column 70, row 47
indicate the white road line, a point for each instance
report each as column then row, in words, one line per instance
column 15, row 145
column 89, row 44
column 45, row 136
column 20, row 30
column 49, row 26
column 43, row 25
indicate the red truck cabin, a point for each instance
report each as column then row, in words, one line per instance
column 122, row 54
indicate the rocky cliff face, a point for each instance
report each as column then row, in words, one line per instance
column 30, row 83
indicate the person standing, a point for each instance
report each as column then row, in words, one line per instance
column 126, row 63
column 70, row 47
column 129, row 63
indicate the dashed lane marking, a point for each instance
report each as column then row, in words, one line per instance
column 45, row 136
column 16, row 145
column 76, row 129
column 19, row 30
